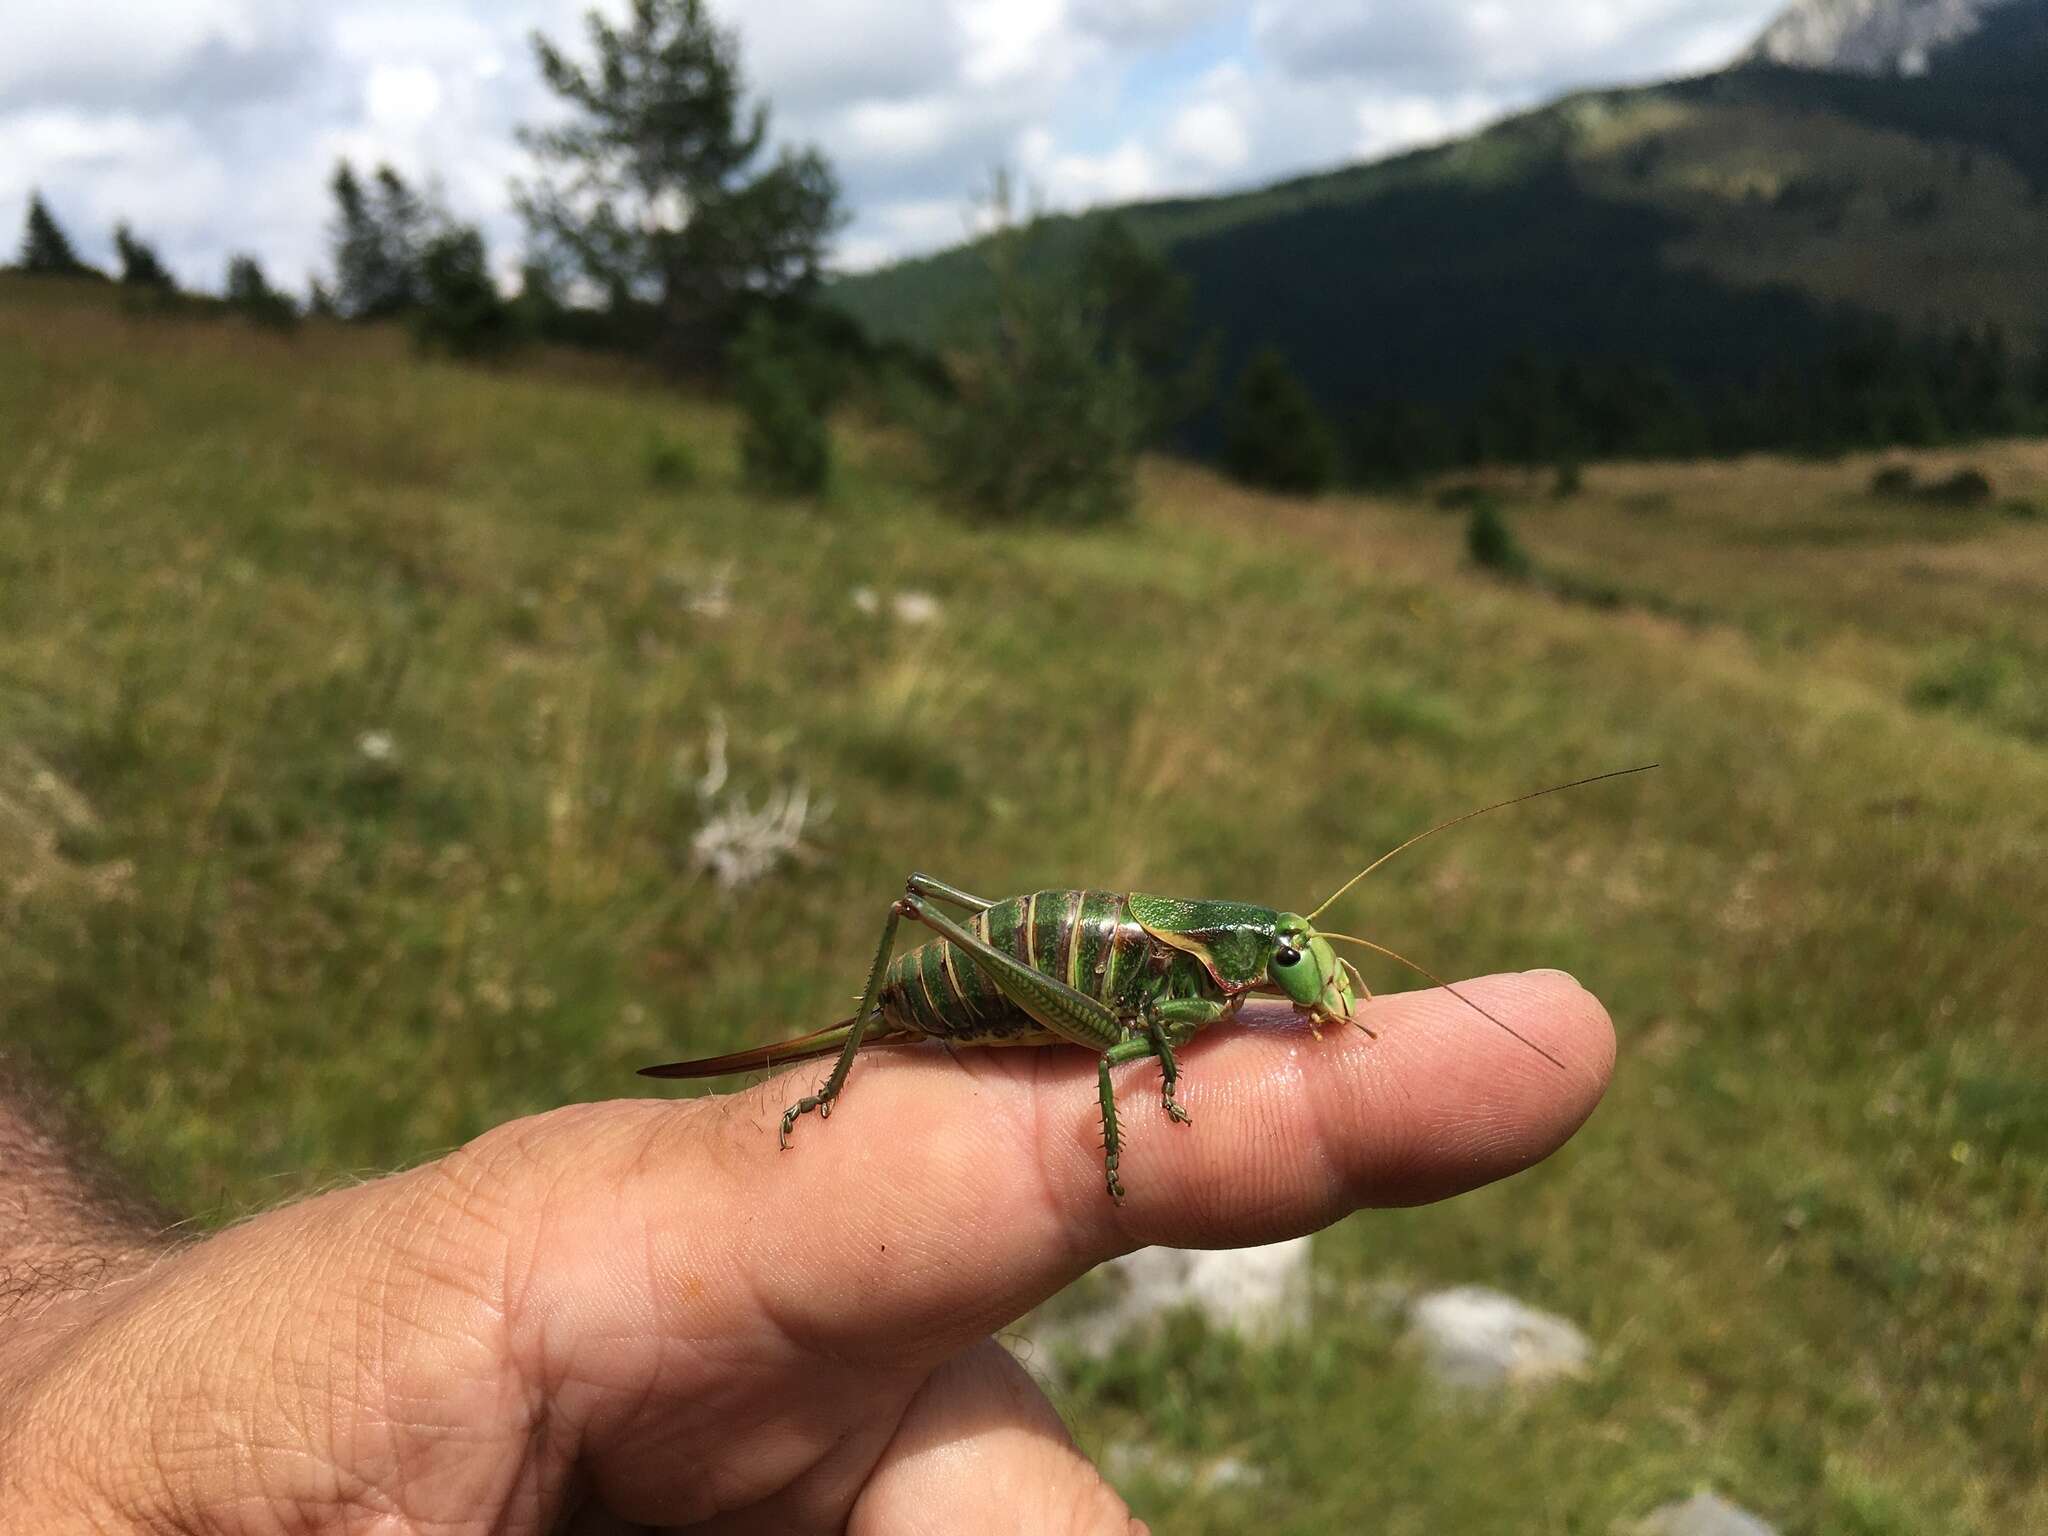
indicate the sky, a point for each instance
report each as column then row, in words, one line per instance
column 212, row 126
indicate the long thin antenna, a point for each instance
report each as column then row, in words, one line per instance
column 1501, row 805
column 1382, row 949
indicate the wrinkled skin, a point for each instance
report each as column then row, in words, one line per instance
column 639, row 1313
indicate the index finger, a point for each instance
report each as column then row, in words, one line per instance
column 951, row 1192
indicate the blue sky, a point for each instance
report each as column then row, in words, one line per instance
column 212, row 125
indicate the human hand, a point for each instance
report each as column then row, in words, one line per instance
column 639, row 1313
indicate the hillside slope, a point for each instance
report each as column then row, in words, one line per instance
column 354, row 718
column 1709, row 227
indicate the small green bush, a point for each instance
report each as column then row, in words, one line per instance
column 1492, row 543
column 1569, row 480
column 2019, row 509
column 671, row 465
column 1276, row 436
column 1964, row 488
column 250, row 295
column 1893, row 480
column 461, row 311
column 785, row 388
column 1043, row 413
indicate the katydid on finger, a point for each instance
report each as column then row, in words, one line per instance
column 1125, row 975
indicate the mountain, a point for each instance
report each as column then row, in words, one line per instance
column 1868, row 37
column 1734, row 241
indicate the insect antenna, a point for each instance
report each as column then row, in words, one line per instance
column 1381, row 949
column 1499, row 805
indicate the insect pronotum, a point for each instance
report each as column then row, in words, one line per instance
column 1124, row 974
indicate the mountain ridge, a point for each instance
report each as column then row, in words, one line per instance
column 1868, row 37
column 1718, row 237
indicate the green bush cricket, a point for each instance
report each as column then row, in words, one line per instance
column 1125, row 975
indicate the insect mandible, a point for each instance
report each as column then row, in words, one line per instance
column 1125, row 975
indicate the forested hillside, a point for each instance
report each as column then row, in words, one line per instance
column 1764, row 256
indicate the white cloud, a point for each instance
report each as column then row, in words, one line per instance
column 1211, row 134
column 401, row 97
column 214, row 124
column 1462, row 44
column 1143, row 21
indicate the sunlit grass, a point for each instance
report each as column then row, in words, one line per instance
column 1808, row 1228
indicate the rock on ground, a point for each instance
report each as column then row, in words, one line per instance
column 1703, row 1514
column 1473, row 1337
column 1256, row 1293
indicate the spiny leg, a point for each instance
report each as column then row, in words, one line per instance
column 917, row 885
column 1169, row 1074
column 1112, row 1143
column 821, row 1101
column 1067, row 1012
column 1173, row 1022
column 1112, row 1138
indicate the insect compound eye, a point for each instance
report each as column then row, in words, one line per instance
column 1287, row 954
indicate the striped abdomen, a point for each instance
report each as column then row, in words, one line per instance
column 1087, row 939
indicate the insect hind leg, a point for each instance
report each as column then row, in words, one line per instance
column 822, row 1100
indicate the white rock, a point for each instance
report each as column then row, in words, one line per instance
column 913, row 607
column 1479, row 1338
column 1257, row 1293
column 1703, row 1515
column 1125, row 1461
column 376, row 747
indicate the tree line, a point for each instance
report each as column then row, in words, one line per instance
column 658, row 223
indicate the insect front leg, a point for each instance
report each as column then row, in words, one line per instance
column 1170, row 1023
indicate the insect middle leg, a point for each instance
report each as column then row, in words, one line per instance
column 1065, row 1011
column 1169, row 1024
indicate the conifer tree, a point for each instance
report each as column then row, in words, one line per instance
column 1276, row 435
column 140, row 267
column 45, row 248
column 649, row 188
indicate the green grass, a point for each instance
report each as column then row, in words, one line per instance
column 1807, row 1229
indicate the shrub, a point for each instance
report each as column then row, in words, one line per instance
column 670, row 463
column 1275, row 435
column 461, row 311
column 1893, row 480
column 1043, row 416
column 1492, row 543
column 140, row 265
column 1964, row 488
column 45, row 248
column 250, row 295
column 1569, row 480
column 785, row 387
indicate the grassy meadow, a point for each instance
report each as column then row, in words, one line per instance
column 353, row 712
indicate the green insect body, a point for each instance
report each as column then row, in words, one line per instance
column 1125, row 975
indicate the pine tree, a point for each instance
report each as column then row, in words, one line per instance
column 1276, row 435
column 461, row 311
column 140, row 267
column 379, row 237
column 1145, row 306
column 249, row 293
column 648, row 189
column 45, row 248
